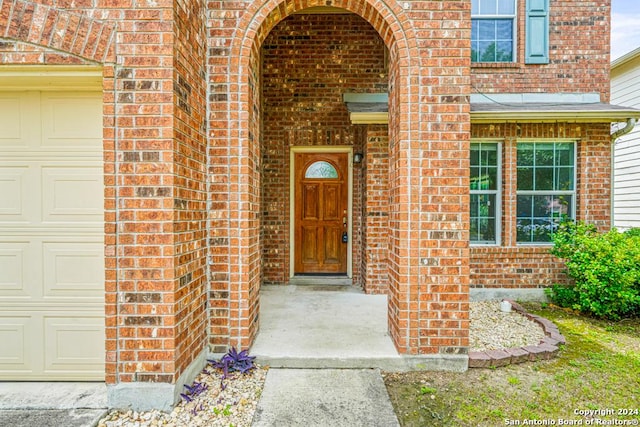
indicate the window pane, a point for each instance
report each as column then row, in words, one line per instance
column 488, row 7
column 546, row 167
column 524, row 228
column 504, row 29
column 562, row 207
column 487, row 30
column 484, row 166
column 493, row 7
column 543, row 179
column 504, row 51
column 525, row 154
column 321, row 169
column 525, row 178
column 564, row 154
column 539, row 216
column 475, row 154
column 541, row 206
column 506, row 7
column 544, row 154
column 483, row 218
column 487, row 51
column 542, row 230
column 564, row 179
column 490, row 153
column 492, row 40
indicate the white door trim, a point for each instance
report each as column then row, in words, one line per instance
column 292, row 205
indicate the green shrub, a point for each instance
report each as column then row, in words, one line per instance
column 633, row 232
column 605, row 269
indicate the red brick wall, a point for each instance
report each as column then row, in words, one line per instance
column 190, row 176
column 34, row 33
column 155, row 166
column 529, row 266
column 375, row 211
column 578, row 53
column 309, row 61
column 145, row 335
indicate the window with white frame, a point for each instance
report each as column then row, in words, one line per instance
column 493, row 24
column 546, row 189
column 485, row 192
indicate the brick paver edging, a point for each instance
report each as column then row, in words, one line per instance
column 547, row 348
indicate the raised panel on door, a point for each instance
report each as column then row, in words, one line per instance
column 308, row 242
column 19, row 121
column 332, row 245
column 16, row 334
column 74, row 344
column 331, row 202
column 310, row 203
column 72, row 194
column 13, row 192
column 16, row 266
column 73, row 270
column 72, row 120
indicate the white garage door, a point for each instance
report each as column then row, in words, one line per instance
column 51, row 236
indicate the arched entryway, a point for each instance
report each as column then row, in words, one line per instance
column 253, row 131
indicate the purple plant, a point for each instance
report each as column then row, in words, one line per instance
column 234, row 362
column 193, row 391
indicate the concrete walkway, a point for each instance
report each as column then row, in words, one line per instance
column 324, row 397
column 69, row 404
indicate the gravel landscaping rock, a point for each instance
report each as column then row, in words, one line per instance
column 492, row 329
column 230, row 405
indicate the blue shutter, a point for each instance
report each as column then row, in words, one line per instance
column 537, row 32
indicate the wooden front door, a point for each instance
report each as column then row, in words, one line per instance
column 321, row 213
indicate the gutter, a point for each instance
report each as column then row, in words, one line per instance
column 631, row 123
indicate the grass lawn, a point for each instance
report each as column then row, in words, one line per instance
column 598, row 369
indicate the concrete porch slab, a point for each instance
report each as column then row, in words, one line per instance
column 323, row 327
column 335, row 327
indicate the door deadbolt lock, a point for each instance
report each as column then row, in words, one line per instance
column 345, row 237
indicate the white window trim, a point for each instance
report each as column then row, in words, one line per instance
column 497, row 192
column 573, row 193
column 514, row 47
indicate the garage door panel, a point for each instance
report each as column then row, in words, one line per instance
column 17, row 130
column 13, row 190
column 71, row 120
column 51, row 236
column 62, row 352
column 14, row 265
column 72, row 194
column 16, row 333
column 73, row 270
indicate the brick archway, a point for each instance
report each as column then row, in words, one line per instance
column 243, row 135
column 61, row 30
